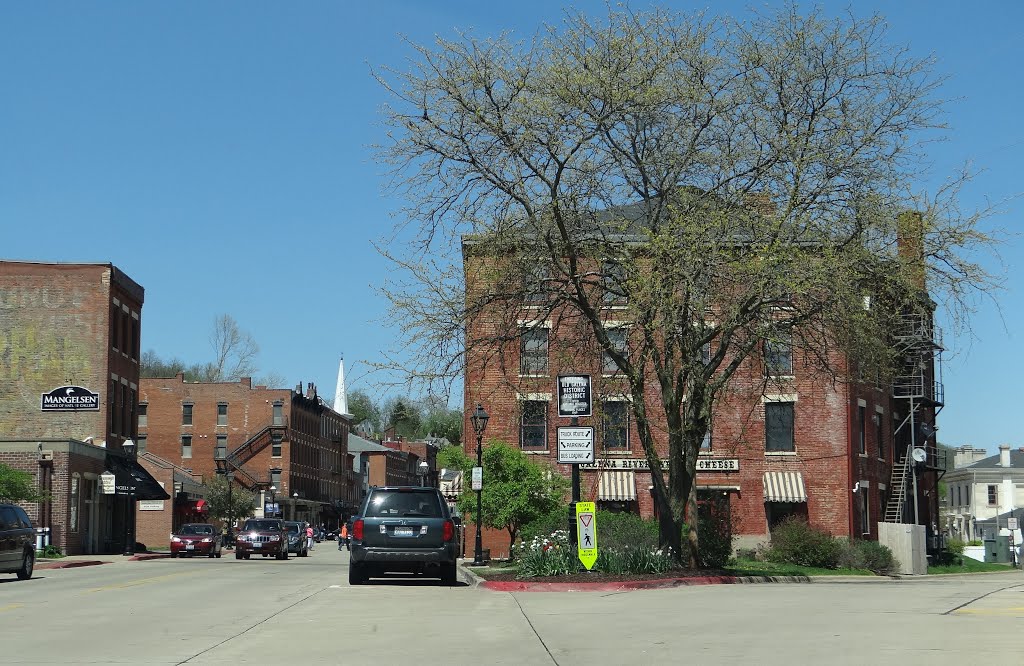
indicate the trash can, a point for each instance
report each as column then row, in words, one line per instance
column 42, row 538
column 1003, row 549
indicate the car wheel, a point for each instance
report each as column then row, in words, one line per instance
column 28, row 563
column 173, row 555
column 448, row 576
column 247, row 556
column 356, row 575
column 238, row 556
column 212, row 554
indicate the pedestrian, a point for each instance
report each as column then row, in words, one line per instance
column 343, row 535
column 309, row 536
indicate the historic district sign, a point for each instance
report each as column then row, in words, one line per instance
column 574, row 396
column 586, row 533
column 70, row 399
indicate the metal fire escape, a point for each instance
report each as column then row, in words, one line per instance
column 236, row 459
column 918, row 384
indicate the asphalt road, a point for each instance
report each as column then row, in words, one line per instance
column 201, row 611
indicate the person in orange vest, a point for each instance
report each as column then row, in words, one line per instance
column 343, row 535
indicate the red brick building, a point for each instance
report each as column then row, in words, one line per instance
column 284, row 439
column 834, row 453
column 69, row 374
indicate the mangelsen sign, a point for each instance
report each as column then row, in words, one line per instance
column 70, row 399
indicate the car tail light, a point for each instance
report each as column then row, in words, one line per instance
column 448, row 531
column 357, row 530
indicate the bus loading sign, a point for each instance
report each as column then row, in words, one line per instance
column 574, row 396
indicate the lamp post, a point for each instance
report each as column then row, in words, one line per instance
column 479, row 420
column 128, row 446
column 295, row 505
column 229, row 475
column 273, row 496
column 423, row 468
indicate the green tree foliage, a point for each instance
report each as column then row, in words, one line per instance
column 517, row 489
column 242, row 502
column 17, row 486
column 443, row 422
column 405, row 416
column 728, row 182
column 453, row 457
column 365, row 411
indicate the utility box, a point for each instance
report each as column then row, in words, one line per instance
column 997, row 550
column 907, row 543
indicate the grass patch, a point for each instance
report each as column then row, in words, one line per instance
column 756, row 568
column 495, row 569
column 969, row 566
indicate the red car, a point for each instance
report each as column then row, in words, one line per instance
column 196, row 539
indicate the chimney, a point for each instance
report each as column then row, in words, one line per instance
column 1004, row 455
column 910, row 245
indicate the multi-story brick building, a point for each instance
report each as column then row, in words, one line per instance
column 782, row 441
column 288, row 446
column 69, row 374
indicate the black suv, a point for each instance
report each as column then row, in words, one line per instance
column 17, row 542
column 403, row 528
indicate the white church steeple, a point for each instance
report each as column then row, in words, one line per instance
column 340, row 396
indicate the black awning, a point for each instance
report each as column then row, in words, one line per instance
column 132, row 477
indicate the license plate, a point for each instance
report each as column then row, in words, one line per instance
column 190, row 546
column 255, row 544
column 403, row 531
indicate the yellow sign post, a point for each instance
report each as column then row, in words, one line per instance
column 586, row 533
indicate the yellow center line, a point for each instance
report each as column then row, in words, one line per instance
column 142, row 581
column 992, row 611
column 10, row 607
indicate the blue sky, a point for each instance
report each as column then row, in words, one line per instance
column 218, row 153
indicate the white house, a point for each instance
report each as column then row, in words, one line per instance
column 984, row 492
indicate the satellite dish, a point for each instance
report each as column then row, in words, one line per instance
column 919, row 455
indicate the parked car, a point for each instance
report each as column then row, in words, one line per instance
column 262, row 536
column 403, row 528
column 196, row 539
column 297, row 538
column 17, row 542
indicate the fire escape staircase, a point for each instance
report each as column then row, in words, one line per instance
column 919, row 343
column 236, row 459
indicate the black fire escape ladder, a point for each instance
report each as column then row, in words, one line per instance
column 236, row 459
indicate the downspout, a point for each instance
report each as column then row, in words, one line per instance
column 850, row 518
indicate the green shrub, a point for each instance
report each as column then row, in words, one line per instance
column 51, row 551
column 633, row 560
column 869, row 555
column 553, row 521
column 796, row 542
column 625, row 530
column 955, row 546
column 975, row 542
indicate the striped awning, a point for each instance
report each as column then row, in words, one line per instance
column 616, row 487
column 784, row 487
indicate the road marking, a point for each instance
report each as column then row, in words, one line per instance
column 1018, row 610
column 141, row 581
column 10, row 607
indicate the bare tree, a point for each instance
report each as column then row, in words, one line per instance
column 235, row 354
column 724, row 182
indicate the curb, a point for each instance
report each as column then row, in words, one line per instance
column 45, row 566
column 149, row 556
column 467, row 576
column 628, row 585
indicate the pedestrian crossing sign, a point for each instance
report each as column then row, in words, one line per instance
column 586, row 533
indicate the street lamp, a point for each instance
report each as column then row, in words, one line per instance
column 424, row 468
column 295, row 505
column 273, row 495
column 230, row 476
column 128, row 446
column 479, row 420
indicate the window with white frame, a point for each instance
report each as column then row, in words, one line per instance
column 143, row 414
column 533, row 351
column 613, row 278
column 221, row 451
column 617, row 339
column 186, row 446
column 993, row 495
column 615, row 425
column 778, row 355
column 186, row 414
column 533, row 426
column 778, row 422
